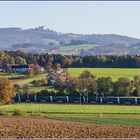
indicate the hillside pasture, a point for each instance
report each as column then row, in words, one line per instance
column 75, row 49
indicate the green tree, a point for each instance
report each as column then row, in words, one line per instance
column 21, row 61
column 123, row 87
column 104, row 86
column 87, row 74
column 18, row 90
column 137, row 85
column 26, row 90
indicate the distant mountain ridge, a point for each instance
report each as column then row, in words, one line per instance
column 42, row 40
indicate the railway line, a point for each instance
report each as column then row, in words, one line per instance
column 78, row 99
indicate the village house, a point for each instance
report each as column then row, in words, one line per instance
column 20, row 68
column 54, row 75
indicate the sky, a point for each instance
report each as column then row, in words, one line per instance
column 85, row 17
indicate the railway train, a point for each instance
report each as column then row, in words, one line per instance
column 77, row 99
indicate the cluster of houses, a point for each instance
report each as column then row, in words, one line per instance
column 52, row 76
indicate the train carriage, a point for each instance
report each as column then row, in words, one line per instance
column 127, row 100
column 59, row 99
column 40, row 98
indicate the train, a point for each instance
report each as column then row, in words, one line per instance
column 77, row 99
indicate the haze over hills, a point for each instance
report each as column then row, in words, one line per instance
column 42, row 40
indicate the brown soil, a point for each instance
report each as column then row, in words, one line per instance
column 27, row 127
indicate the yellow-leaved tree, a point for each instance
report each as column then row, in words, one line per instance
column 7, row 91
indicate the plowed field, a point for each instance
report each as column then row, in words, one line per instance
column 39, row 127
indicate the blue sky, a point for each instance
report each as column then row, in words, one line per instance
column 77, row 17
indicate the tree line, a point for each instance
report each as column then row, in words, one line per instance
column 86, row 84
column 20, row 57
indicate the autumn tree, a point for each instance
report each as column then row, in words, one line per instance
column 33, row 71
column 88, row 83
column 84, row 84
column 7, row 91
column 30, row 73
column 36, row 69
column 57, row 67
column 48, row 66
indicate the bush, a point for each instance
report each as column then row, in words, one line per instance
column 41, row 82
column 3, row 112
column 20, row 112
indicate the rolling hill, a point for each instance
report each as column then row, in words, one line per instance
column 42, row 40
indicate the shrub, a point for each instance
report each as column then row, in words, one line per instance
column 3, row 112
column 20, row 112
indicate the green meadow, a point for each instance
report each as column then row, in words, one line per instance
column 114, row 73
column 101, row 114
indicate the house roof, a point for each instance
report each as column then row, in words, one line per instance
column 20, row 66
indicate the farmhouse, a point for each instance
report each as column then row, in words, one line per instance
column 15, row 68
column 5, row 68
column 54, row 75
column 20, row 68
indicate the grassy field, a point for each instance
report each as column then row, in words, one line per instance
column 29, row 80
column 21, row 79
column 102, row 114
column 115, row 73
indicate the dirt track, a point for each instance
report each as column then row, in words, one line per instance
column 24, row 127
